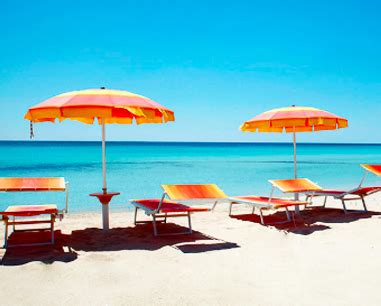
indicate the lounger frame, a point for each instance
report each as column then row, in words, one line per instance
column 12, row 221
column 341, row 197
column 158, row 216
column 264, row 206
column 260, row 208
column 18, row 219
column 351, row 195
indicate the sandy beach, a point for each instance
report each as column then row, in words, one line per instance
column 325, row 258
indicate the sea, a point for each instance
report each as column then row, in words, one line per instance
column 138, row 169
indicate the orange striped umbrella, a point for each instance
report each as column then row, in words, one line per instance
column 108, row 106
column 292, row 120
column 105, row 105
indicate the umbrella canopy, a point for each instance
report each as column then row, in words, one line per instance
column 108, row 106
column 294, row 119
column 105, row 105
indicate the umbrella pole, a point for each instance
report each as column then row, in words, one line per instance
column 296, row 195
column 295, row 167
column 105, row 210
column 104, row 157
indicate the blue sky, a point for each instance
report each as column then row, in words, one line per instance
column 215, row 63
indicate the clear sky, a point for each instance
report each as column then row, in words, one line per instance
column 215, row 63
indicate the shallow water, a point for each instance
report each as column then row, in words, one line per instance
column 137, row 169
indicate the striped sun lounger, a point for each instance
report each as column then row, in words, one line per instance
column 358, row 193
column 275, row 203
column 161, row 209
column 26, row 214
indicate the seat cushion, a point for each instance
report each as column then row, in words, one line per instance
column 168, row 206
column 30, row 210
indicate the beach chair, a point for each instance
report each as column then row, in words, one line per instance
column 358, row 193
column 275, row 203
column 163, row 208
column 26, row 214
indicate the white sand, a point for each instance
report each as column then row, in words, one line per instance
column 333, row 260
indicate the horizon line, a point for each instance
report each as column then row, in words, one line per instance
column 196, row 142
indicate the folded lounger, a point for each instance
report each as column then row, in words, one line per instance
column 26, row 214
column 358, row 193
column 266, row 203
column 161, row 209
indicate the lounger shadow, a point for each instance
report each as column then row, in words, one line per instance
column 310, row 221
column 140, row 238
column 47, row 254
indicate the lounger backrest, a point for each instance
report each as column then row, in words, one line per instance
column 188, row 192
column 375, row 169
column 32, row 184
column 295, row 185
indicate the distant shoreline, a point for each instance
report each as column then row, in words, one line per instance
column 192, row 142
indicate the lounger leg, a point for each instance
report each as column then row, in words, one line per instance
column 230, row 208
column 288, row 214
column 261, row 216
column 189, row 223
column 307, row 198
column 214, row 206
column 344, row 207
column 253, row 210
column 6, row 234
column 325, row 201
column 165, row 218
column 136, row 214
column 52, row 219
column 363, row 203
column 154, row 225
column 14, row 225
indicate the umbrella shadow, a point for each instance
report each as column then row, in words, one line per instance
column 310, row 220
column 47, row 254
column 140, row 237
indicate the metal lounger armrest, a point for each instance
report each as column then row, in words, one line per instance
column 253, row 203
column 142, row 207
column 157, row 210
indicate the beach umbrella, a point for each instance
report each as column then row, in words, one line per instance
column 106, row 106
column 294, row 119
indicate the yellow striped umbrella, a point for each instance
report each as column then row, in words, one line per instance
column 105, row 105
column 294, row 119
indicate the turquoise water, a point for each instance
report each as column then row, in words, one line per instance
column 137, row 169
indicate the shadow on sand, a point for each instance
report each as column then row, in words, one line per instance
column 310, row 220
column 46, row 254
column 116, row 239
column 140, row 237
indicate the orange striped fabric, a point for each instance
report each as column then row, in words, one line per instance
column 199, row 191
column 30, row 210
column 294, row 118
column 169, row 206
column 32, row 184
column 375, row 169
column 105, row 105
column 295, row 185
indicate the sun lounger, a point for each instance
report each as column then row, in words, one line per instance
column 26, row 214
column 358, row 193
column 161, row 209
column 274, row 203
